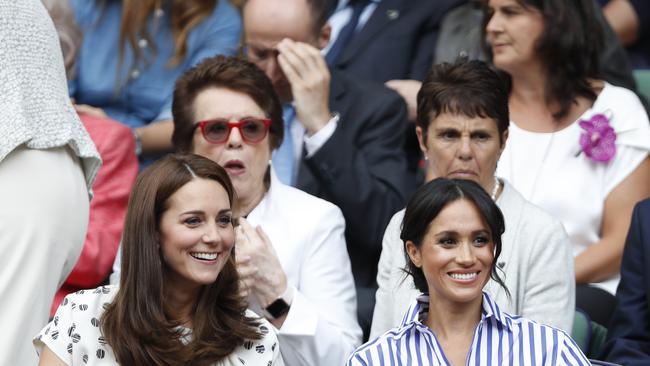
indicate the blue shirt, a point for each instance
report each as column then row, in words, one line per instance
column 146, row 89
column 499, row 339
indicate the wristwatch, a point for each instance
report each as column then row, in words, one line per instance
column 280, row 306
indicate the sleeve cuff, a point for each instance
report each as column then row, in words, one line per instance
column 301, row 319
column 316, row 141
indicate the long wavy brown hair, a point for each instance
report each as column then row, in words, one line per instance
column 185, row 15
column 137, row 324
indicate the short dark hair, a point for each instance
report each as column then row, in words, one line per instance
column 569, row 49
column 135, row 323
column 228, row 72
column 429, row 200
column 467, row 87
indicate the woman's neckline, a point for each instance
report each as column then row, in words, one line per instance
column 568, row 126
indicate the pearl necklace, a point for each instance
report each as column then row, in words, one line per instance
column 495, row 189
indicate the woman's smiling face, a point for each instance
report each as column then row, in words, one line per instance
column 196, row 233
column 456, row 253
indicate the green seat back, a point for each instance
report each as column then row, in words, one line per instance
column 642, row 78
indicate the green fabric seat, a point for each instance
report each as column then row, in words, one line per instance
column 642, row 78
column 588, row 335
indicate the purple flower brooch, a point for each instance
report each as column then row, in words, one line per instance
column 598, row 138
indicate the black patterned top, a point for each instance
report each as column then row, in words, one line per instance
column 74, row 334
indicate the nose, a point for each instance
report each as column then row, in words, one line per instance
column 211, row 234
column 464, row 151
column 272, row 69
column 494, row 25
column 234, row 138
column 465, row 255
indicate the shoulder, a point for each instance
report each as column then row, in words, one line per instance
column 224, row 13
column 93, row 301
column 516, row 208
column 382, row 346
column 263, row 348
column 295, row 200
column 372, row 93
column 625, row 108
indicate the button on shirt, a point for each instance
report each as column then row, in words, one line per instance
column 143, row 92
column 499, row 339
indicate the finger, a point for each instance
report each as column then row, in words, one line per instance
column 312, row 56
column 300, row 55
column 289, row 70
column 265, row 238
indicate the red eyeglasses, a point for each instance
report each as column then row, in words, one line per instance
column 217, row 131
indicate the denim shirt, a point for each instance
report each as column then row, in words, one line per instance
column 142, row 93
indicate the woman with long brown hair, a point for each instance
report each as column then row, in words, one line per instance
column 133, row 51
column 179, row 300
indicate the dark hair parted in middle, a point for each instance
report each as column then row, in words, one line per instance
column 569, row 49
column 469, row 88
column 429, row 200
column 136, row 324
column 231, row 73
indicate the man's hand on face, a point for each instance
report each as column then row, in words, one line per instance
column 307, row 72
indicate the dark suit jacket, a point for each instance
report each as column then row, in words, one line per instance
column 628, row 337
column 362, row 168
column 396, row 42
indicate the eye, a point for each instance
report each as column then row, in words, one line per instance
column 481, row 240
column 216, row 127
column 193, row 221
column 481, row 136
column 448, row 135
column 446, row 242
column 224, row 220
column 252, row 126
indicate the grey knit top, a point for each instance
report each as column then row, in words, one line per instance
column 35, row 108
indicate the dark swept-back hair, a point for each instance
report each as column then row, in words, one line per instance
column 469, row 88
column 425, row 205
column 569, row 49
column 227, row 72
column 137, row 324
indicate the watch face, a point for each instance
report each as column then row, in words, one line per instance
column 278, row 308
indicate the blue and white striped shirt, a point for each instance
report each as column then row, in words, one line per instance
column 499, row 339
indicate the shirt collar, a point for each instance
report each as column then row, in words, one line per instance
column 343, row 3
column 418, row 311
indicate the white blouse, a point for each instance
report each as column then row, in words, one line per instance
column 75, row 337
column 550, row 170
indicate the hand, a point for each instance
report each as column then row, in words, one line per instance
column 90, row 110
column 408, row 89
column 260, row 272
column 307, row 72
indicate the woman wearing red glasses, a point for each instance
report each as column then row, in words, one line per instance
column 290, row 246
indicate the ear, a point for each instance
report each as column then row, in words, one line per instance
column 504, row 139
column 421, row 139
column 414, row 253
column 324, row 36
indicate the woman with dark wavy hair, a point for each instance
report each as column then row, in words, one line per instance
column 179, row 301
column 451, row 235
column 578, row 146
column 134, row 50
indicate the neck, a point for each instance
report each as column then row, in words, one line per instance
column 180, row 301
column 528, row 86
column 246, row 204
column 451, row 319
